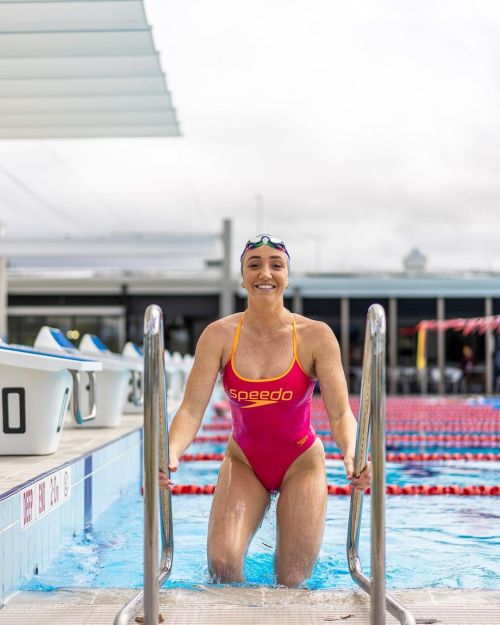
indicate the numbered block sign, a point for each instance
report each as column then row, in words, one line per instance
column 43, row 496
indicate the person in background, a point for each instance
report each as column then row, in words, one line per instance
column 468, row 364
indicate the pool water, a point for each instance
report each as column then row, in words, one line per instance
column 431, row 541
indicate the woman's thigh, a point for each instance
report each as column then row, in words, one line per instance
column 238, row 506
column 301, row 513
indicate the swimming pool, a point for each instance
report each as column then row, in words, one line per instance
column 431, row 542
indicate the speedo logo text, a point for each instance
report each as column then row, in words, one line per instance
column 260, row 398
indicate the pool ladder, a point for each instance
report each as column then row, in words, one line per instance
column 155, row 455
column 372, row 413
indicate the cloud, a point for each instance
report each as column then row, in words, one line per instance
column 368, row 129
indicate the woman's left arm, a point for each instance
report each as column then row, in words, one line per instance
column 330, row 374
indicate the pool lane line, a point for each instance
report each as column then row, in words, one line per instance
column 470, row 439
column 392, row 489
column 390, row 457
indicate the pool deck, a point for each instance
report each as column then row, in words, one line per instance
column 252, row 606
column 75, row 442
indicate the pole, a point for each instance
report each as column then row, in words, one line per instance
column 441, row 346
column 226, row 305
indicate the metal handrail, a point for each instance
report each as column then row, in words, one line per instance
column 155, row 458
column 76, row 407
column 372, row 413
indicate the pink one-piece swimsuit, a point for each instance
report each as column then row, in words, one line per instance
column 271, row 416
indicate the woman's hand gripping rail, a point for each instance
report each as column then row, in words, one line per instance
column 328, row 367
column 199, row 388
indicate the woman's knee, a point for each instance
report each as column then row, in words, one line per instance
column 292, row 576
column 225, row 567
column 292, row 567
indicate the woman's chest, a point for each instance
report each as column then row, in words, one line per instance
column 267, row 357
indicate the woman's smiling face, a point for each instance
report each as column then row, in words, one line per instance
column 265, row 271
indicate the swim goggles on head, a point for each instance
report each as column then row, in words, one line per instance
column 264, row 239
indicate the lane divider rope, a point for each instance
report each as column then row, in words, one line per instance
column 390, row 457
column 391, row 489
column 391, row 438
column 439, row 427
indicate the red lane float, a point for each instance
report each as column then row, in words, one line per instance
column 483, row 439
column 391, row 489
column 390, row 457
column 436, row 427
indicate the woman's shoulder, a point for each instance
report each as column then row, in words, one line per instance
column 312, row 328
column 222, row 329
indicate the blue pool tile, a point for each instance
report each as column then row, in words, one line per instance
column 44, row 523
column 77, row 471
column 1, row 568
column 5, row 513
column 37, row 531
column 66, row 528
column 24, row 550
column 55, row 531
column 88, row 490
column 32, row 551
column 16, row 554
column 7, row 566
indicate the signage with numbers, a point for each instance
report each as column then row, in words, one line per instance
column 43, row 496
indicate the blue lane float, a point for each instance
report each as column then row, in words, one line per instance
column 36, row 387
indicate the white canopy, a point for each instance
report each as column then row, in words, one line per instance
column 85, row 68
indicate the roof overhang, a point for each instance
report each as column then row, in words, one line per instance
column 84, row 68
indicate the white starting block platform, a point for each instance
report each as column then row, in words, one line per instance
column 112, row 380
column 36, row 386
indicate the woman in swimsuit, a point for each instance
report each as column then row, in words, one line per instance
column 269, row 359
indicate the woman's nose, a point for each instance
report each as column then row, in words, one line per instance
column 265, row 270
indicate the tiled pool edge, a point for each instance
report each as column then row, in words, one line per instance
column 117, row 462
column 232, row 606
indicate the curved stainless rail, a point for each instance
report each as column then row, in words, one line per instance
column 76, row 399
column 372, row 412
column 155, row 457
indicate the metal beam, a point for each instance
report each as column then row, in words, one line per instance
column 226, row 287
column 441, row 345
column 106, row 246
column 489, row 347
column 345, row 328
column 393, row 344
column 297, row 303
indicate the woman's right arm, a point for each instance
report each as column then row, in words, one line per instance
column 199, row 387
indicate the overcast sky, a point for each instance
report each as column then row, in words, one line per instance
column 367, row 128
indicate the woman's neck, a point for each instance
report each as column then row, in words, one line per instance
column 266, row 317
